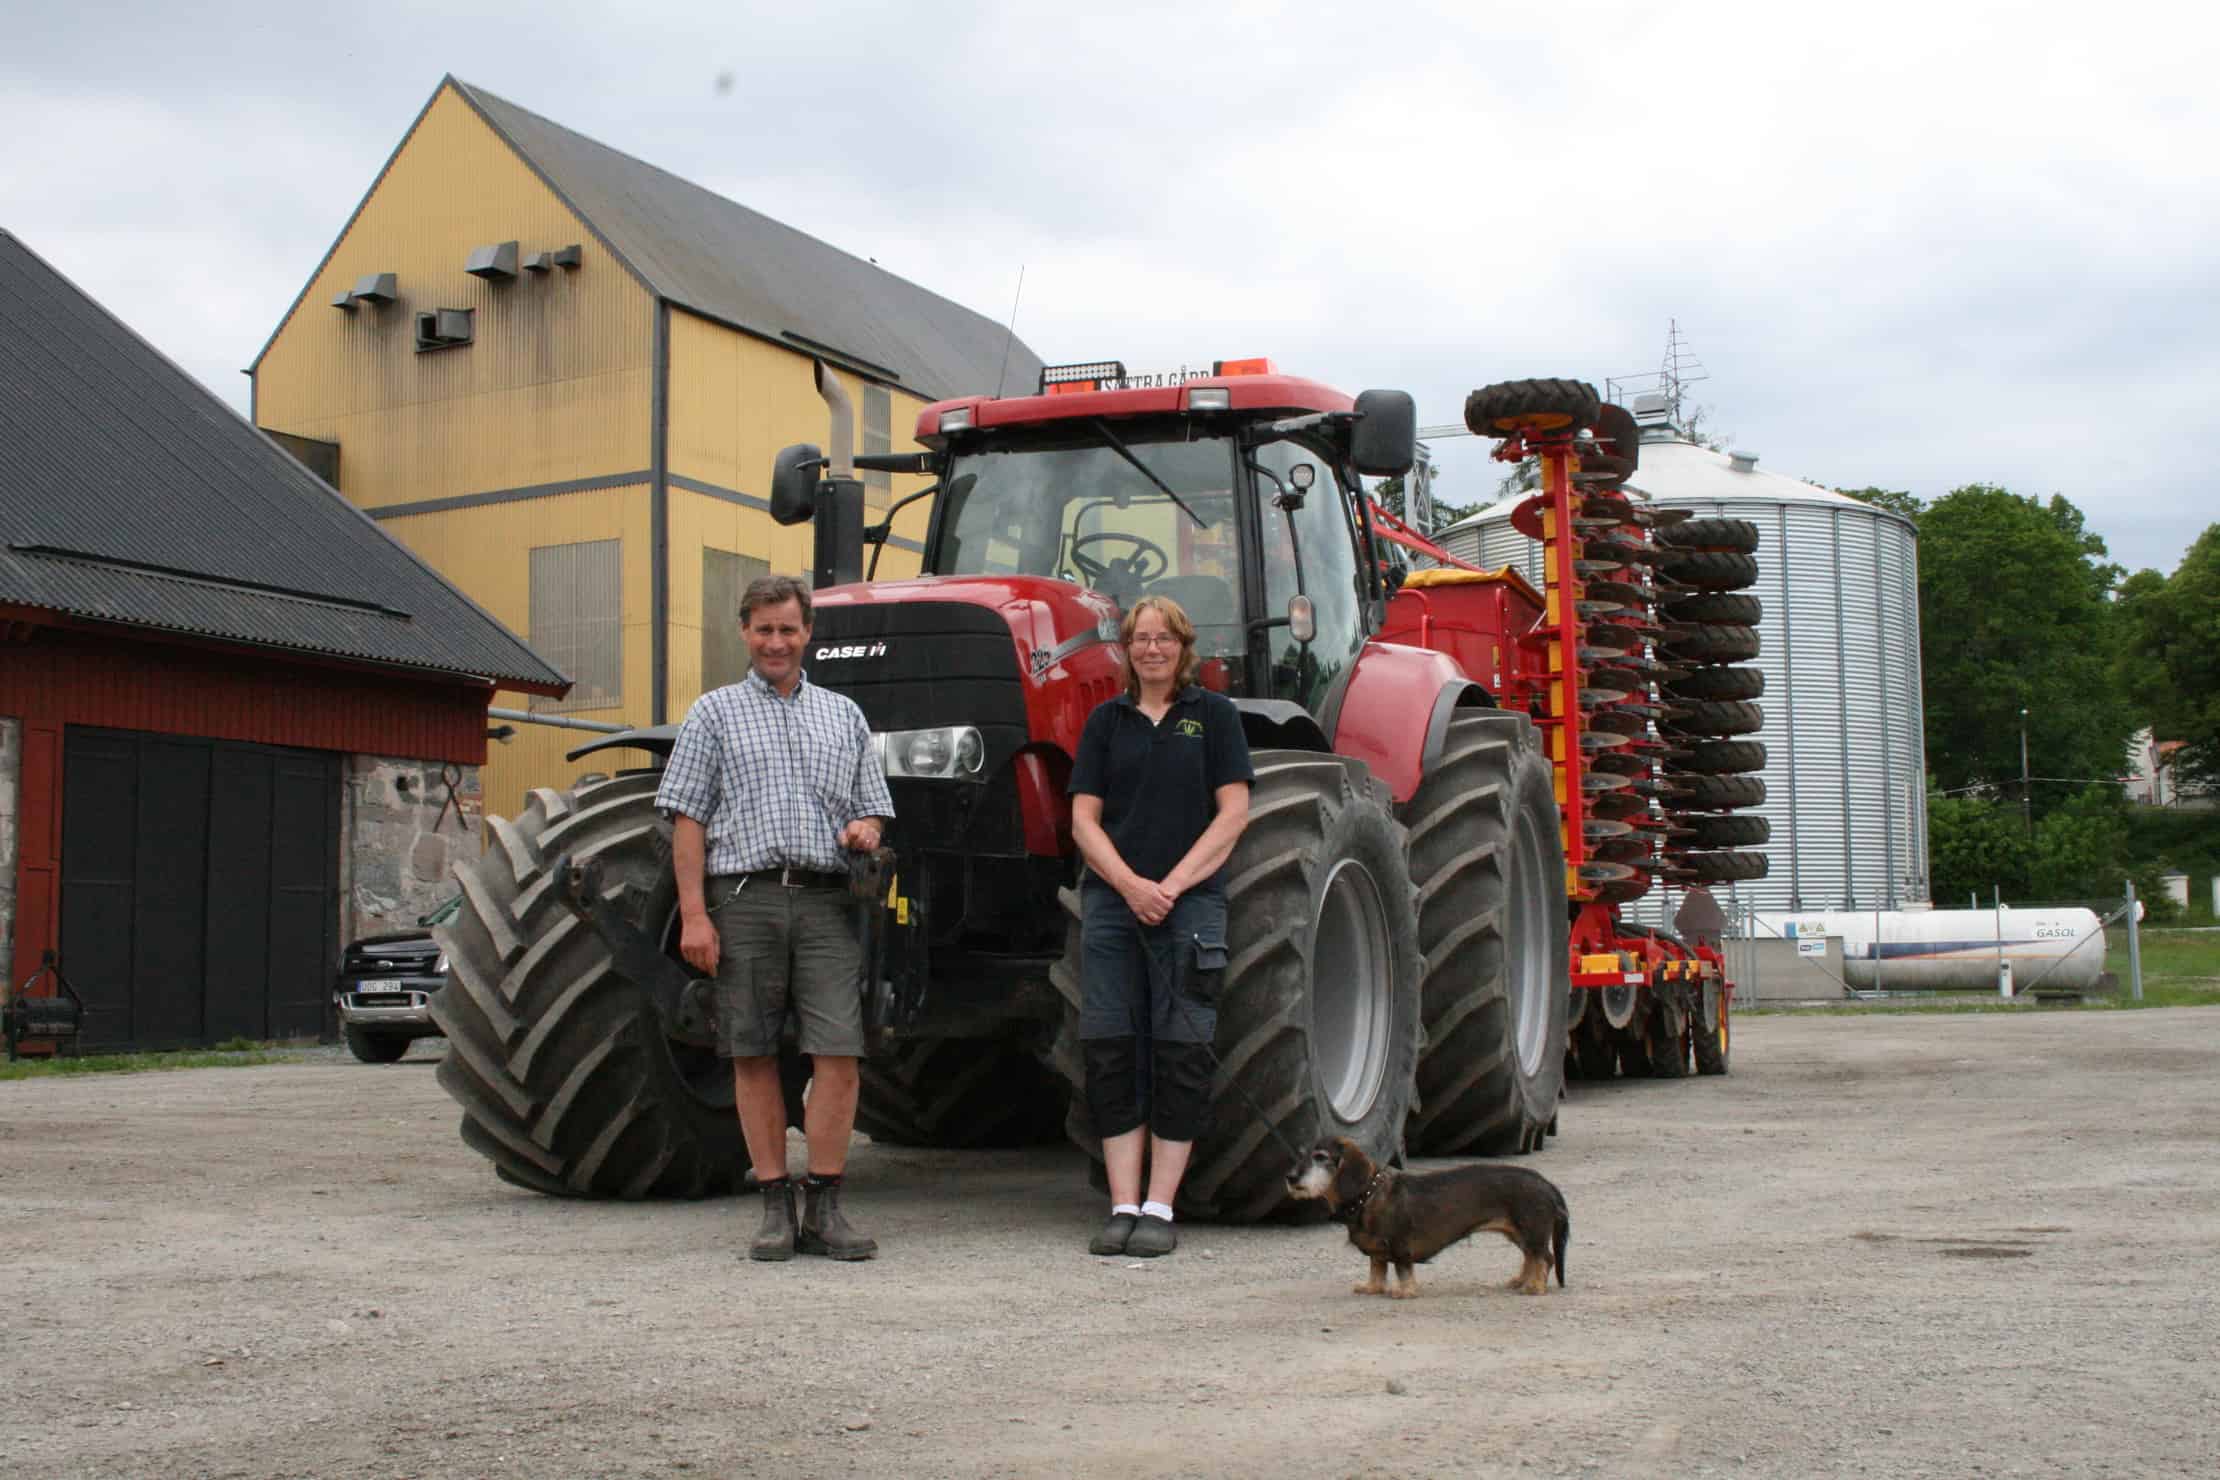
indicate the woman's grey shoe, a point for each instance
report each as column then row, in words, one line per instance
column 1152, row 1236
column 824, row 1230
column 775, row 1239
column 1111, row 1237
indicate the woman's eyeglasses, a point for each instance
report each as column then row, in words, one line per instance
column 1151, row 640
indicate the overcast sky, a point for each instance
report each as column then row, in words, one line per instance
column 1913, row 246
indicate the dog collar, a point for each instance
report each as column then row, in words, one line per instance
column 1355, row 1210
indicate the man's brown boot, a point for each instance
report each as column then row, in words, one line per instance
column 824, row 1230
column 775, row 1239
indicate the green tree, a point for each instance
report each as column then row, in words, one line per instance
column 2170, row 656
column 2016, row 615
column 1896, row 501
column 1974, row 846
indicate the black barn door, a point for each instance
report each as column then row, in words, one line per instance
column 199, row 887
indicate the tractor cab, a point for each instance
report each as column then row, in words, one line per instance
column 1233, row 492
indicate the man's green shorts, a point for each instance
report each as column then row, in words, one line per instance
column 779, row 945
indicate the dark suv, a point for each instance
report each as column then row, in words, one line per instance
column 385, row 986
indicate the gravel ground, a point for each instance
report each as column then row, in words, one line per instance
column 1977, row 1245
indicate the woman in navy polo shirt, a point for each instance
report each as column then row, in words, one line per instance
column 1160, row 793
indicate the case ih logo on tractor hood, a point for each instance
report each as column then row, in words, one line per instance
column 835, row 650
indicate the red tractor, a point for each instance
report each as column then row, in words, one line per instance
column 1421, row 832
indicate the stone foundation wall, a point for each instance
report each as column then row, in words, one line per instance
column 11, row 788
column 400, row 841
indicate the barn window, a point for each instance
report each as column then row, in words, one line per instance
column 578, row 620
column 724, row 576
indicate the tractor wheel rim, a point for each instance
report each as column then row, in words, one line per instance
column 1352, row 991
column 1530, row 981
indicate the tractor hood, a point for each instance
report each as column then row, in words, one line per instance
column 961, row 645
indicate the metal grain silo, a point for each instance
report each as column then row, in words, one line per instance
column 1846, row 769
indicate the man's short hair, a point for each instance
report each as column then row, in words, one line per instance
column 774, row 591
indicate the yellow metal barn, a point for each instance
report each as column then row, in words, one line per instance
column 559, row 375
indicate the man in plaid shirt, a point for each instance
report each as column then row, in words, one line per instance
column 772, row 782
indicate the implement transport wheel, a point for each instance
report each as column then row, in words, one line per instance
column 1663, row 1029
column 1738, row 535
column 1489, row 863
column 1712, row 1032
column 1710, row 643
column 1728, row 830
column 565, row 1079
column 1715, row 606
column 1715, row 717
column 959, row 1093
column 1724, row 867
column 1718, row 683
column 1708, row 793
column 1318, row 1010
column 1709, row 570
column 1532, row 406
column 1719, row 758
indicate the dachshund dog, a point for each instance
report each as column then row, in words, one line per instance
column 1406, row 1218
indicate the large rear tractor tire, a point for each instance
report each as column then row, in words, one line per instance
column 566, row 1081
column 1490, row 868
column 1318, row 1013
column 959, row 1093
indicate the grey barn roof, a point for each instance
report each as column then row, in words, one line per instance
column 726, row 262
column 129, row 493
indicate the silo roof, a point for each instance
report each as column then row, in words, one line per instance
column 1680, row 472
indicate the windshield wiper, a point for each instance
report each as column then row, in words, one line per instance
column 1145, row 471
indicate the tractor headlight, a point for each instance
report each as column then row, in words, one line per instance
column 947, row 753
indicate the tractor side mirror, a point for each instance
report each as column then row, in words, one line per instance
column 794, row 483
column 1385, row 441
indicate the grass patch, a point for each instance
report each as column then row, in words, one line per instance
column 144, row 1063
column 2181, row 968
column 2174, row 956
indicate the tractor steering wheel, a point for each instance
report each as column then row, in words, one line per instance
column 1138, row 566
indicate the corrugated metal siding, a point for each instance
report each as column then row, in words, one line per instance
column 80, row 679
column 556, row 384
column 1846, row 774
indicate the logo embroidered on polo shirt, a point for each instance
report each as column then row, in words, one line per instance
column 1191, row 728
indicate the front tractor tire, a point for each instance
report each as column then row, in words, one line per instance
column 1489, row 863
column 964, row 1093
column 566, row 1080
column 1318, row 1013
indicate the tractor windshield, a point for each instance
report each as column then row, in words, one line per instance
column 1075, row 507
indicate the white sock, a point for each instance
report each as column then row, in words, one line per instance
column 1157, row 1210
column 1125, row 1208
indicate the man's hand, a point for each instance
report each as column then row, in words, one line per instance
column 861, row 835
column 1149, row 900
column 697, row 942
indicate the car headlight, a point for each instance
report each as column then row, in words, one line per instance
column 946, row 753
column 439, row 967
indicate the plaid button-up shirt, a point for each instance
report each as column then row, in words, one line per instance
column 774, row 780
